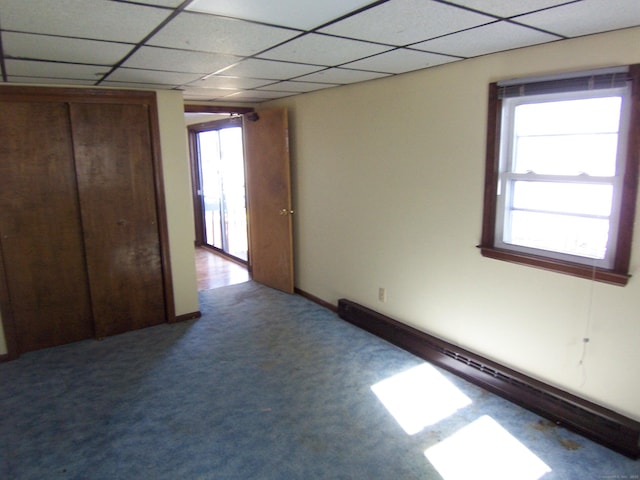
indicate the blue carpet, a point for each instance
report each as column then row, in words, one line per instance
column 264, row 386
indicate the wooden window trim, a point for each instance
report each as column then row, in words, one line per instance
column 619, row 274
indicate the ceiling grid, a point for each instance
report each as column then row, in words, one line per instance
column 257, row 50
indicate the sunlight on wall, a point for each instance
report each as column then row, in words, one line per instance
column 419, row 397
column 484, row 450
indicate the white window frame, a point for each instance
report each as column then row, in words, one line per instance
column 507, row 176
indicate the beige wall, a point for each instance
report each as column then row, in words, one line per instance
column 177, row 188
column 177, row 183
column 388, row 187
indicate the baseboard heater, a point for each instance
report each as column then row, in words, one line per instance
column 597, row 423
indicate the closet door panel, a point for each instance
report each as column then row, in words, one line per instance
column 116, row 187
column 40, row 231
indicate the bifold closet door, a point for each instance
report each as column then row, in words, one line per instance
column 40, row 231
column 114, row 167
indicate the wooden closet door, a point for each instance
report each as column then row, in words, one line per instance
column 40, row 231
column 114, row 166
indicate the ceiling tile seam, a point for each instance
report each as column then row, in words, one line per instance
column 353, row 13
column 276, row 81
column 379, row 72
column 408, row 45
column 375, row 55
column 266, row 87
column 161, row 71
column 433, row 52
column 412, row 45
column 499, row 17
column 372, row 42
column 141, row 4
column 541, row 30
column 53, row 35
column 59, row 62
column 468, row 9
column 246, row 20
column 47, row 78
column 254, row 56
column 314, row 30
column 142, row 42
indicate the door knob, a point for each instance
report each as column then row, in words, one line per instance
column 284, row 212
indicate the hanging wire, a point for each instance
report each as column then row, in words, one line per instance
column 587, row 328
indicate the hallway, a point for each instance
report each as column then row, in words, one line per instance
column 215, row 271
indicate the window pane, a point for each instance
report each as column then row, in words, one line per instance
column 593, row 154
column 567, row 137
column 571, row 198
column 581, row 236
column 589, row 115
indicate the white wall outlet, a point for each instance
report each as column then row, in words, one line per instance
column 382, row 294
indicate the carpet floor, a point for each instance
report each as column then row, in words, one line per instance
column 269, row 386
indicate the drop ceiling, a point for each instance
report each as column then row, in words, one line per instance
column 256, row 50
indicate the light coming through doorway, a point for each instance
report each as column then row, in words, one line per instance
column 221, row 188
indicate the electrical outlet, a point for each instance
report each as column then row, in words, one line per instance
column 382, row 294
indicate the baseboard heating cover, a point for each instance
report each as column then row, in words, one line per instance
column 595, row 422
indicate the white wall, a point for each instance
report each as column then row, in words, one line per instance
column 177, row 184
column 388, row 189
column 177, row 189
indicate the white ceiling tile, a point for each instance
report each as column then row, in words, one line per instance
column 223, row 81
column 323, row 50
column 298, row 87
column 508, row 8
column 152, row 76
column 162, row 3
column 256, row 68
column 208, row 33
column 302, row 14
column 586, row 17
column 402, row 22
column 341, row 76
column 400, row 61
column 44, row 47
column 26, row 68
column 206, row 92
column 485, row 39
column 157, row 58
column 257, row 95
column 49, row 81
column 94, row 19
column 138, row 85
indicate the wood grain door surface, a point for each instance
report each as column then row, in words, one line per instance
column 269, row 198
column 114, row 168
column 40, row 231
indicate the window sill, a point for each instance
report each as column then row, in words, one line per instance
column 577, row 270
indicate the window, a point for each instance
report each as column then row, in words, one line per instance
column 562, row 172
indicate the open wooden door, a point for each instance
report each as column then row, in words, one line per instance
column 269, row 198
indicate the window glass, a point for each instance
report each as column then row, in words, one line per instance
column 568, row 198
column 567, row 137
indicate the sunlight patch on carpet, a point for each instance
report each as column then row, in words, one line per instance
column 484, row 450
column 419, row 397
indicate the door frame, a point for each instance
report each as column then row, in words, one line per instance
column 196, row 180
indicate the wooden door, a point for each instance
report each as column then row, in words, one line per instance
column 40, row 231
column 114, row 166
column 269, row 198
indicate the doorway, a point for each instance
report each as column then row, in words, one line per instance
column 219, row 177
column 264, row 202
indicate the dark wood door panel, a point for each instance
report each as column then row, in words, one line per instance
column 40, row 230
column 114, row 168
